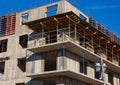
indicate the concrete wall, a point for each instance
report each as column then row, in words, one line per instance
column 70, row 61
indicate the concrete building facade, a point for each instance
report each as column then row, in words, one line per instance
column 55, row 44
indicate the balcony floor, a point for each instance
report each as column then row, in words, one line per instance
column 67, row 73
column 77, row 49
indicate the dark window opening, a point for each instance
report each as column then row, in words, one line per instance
column 2, row 66
column 23, row 40
column 82, row 17
column 20, row 83
column 50, row 61
column 83, row 67
column 22, row 64
column 52, row 10
column 3, row 45
column 49, row 82
column 25, row 16
column 110, row 77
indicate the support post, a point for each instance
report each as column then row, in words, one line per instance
column 75, row 32
column 42, row 29
column 63, row 55
column 57, row 31
column 106, row 49
column 83, row 62
column 69, row 28
column 84, row 39
column 33, row 63
column 112, row 55
column 102, row 71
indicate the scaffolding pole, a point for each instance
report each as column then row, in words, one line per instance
column 75, row 33
column 106, row 49
column 69, row 28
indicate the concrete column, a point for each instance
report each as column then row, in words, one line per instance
column 39, row 64
column 116, row 80
column 35, row 64
column 90, row 70
column 77, row 64
column 61, row 61
column 106, row 77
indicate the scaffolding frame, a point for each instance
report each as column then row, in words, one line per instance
column 78, row 31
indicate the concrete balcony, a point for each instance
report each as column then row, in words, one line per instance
column 67, row 73
column 40, row 45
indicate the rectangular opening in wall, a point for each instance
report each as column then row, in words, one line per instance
column 20, row 83
column 25, row 16
column 82, row 17
column 52, row 10
column 23, row 40
column 22, row 64
column 3, row 45
column 110, row 78
column 50, row 61
column 83, row 67
column 2, row 67
column 51, row 81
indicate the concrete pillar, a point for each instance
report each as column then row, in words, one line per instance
column 116, row 80
column 77, row 64
column 90, row 70
column 61, row 61
column 39, row 65
column 106, row 77
column 9, row 66
column 72, row 62
column 35, row 64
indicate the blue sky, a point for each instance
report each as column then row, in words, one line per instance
column 106, row 12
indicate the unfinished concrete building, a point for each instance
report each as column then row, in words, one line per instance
column 56, row 44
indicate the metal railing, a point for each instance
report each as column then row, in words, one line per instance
column 61, row 35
